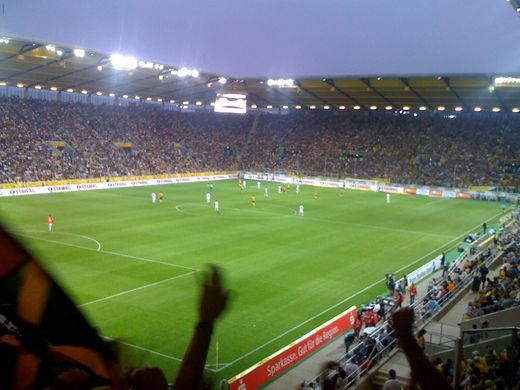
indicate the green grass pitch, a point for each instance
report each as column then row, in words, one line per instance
column 288, row 273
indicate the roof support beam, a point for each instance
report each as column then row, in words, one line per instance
column 298, row 83
column 447, row 82
column 406, row 82
column 372, row 88
column 333, row 85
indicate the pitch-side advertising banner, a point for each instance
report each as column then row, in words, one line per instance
column 281, row 361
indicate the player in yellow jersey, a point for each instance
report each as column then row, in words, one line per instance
column 161, row 197
column 253, row 200
column 315, row 195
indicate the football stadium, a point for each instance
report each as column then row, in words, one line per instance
column 168, row 227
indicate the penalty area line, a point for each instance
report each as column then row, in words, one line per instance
column 136, row 289
column 349, row 297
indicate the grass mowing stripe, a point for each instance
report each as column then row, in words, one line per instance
column 352, row 296
column 136, row 289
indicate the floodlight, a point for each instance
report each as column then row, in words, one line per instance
column 50, row 48
column 59, row 52
column 120, row 62
column 137, row 97
column 54, row 89
column 172, row 101
column 458, row 108
column 357, row 107
column 495, row 109
column 516, row 109
column 326, row 107
column 388, row 108
column 186, row 102
column 198, row 103
column 282, row 83
column 222, row 80
column 112, row 94
column 19, row 85
column 3, row 83
column 79, row 53
column 477, row 109
column 84, row 91
column 312, row 107
column 253, row 106
column 70, row 90
column 159, row 100
column 37, row 87
column 441, row 108
column 422, row 108
column 285, row 107
column 125, row 96
column 100, row 68
column 98, row 93
column 269, row 106
column 342, row 107
column 373, row 107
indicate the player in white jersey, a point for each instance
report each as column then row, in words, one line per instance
column 279, row 189
column 244, row 183
column 258, row 184
column 387, row 198
column 266, row 192
column 208, row 197
column 154, row 197
column 216, row 206
column 300, row 210
column 297, row 188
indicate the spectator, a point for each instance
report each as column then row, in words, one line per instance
column 392, row 383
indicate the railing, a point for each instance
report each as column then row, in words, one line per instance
column 366, row 360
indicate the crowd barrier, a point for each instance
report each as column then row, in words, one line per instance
column 88, row 186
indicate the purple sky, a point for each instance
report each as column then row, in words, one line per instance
column 285, row 38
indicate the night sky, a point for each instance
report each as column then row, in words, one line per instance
column 284, row 38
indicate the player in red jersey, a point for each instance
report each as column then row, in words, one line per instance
column 50, row 221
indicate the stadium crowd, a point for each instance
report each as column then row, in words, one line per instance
column 431, row 150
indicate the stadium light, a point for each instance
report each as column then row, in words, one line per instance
column 120, row 62
column 491, row 88
column 159, row 100
column 137, row 97
column 495, row 109
column 477, row 109
column 54, row 89
column 99, row 93
column 4, row 40
column 79, row 53
column 125, row 96
column 281, row 83
column 59, row 52
column 506, row 81
column 112, row 94
column 298, row 107
column 406, row 108
column 161, row 77
column 99, row 68
column 373, row 107
column 388, row 108
column 222, row 80
column 186, row 102
column 70, row 90
column 312, row 107
column 423, row 108
column 19, row 85
column 254, row 106
column 37, row 87
column 183, row 72
column 285, row 107
column 516, row 110
column 3, row 84
column 458, row 108
column 326, row 107
column 198, row 103
column 84, row 91
column 357, row 107
column 51, row 48
column 441, row 108
column 269, row 106
column 342, row 107
column 148, row 98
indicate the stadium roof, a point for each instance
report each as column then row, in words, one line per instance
column 33, row 64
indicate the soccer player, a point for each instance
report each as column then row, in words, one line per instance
column 258, row 184
column 208, row 197
column 387, row 198
column 210, row 186
column 244, row 184
column 297, row 188
column 300, row 210
column 161, row 197
column 50, row 221
column 253, row 200
column 279, row 189
column 266, row 192
column 315, row 195
column 216, row 206
column 154, row 197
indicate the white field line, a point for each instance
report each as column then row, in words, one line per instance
column 179, row 208
column 376, row 227
column 22, row 232
column 109, row 252
column 349, row 297
column 155, row 352
column 135, row 289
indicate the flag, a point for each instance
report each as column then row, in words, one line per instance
column 42, row 332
